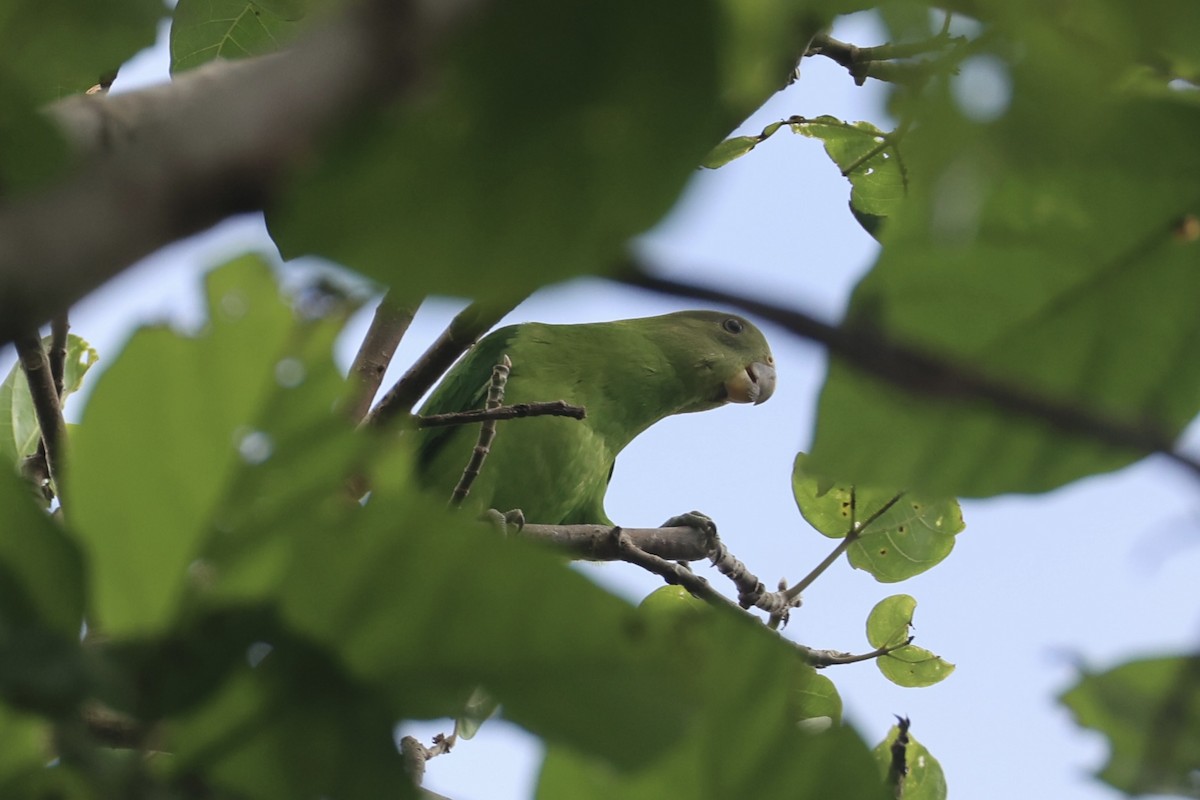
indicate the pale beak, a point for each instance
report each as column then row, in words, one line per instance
column 755, row 384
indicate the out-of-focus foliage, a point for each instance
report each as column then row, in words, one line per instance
column 1149, row 710
column 247, row 614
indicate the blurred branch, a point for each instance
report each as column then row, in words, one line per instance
column 172, row 160
column 894, row 63
column 917, row 372
column 388, row 326
column 464, row 330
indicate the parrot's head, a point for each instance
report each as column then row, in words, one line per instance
column 724, row 356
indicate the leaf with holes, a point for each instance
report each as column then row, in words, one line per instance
column 868, row 158
column 912, row 535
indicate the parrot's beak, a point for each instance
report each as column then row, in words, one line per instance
column 755, row 384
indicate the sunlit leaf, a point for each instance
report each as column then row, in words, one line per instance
column 888, row 625
column 202, row 30
column 925, row 779
column 912, row 535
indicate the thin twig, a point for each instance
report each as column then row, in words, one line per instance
column 670, row 571
column 487, row 432
column 556, row 408
column 916, row 371
column 828, row 658
column 852, row 536
column 388, row 326
column 46, row 407
column 465, row 329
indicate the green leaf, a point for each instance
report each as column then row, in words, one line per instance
column 24, row 750
column 914, row 534
column 19, row 431
column 869, row 158
column 174, row 442
column 552, row 134
column 408, row 601
column 203, row 30
column 815, row 697
column 736, row 147
column 925, row 779
column 42, row 589
column 55, row 48
column 1028, row 252
column 292, row 741
column 792, row 764
column 888, row 625
column 44, row 582
column 1149, row 710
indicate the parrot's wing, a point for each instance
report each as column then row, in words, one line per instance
column 464, row 388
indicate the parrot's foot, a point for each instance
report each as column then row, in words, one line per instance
column 505, row 521
column 694, row 519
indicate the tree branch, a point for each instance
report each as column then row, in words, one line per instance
column 828, row 658
column 172, row 160
column 464, row 330
column 920, row 373
column 487, row 432
column 46, row 407
column 555, row 408
column 388, row 327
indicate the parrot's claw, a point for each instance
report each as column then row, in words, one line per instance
column 505, row 521
column 693, row 519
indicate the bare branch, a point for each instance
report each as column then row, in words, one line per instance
column 388, row 326
column 850, row 538
column 916, row 371
column 555, row 408
column 828, row 658
column 464, row 330
column 599, row 543
column 487, row 432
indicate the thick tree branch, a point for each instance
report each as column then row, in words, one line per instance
column 388, row 326
column 464, row 330
column 172, row 160
column 920, row 373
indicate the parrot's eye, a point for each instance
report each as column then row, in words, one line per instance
column 733, row 325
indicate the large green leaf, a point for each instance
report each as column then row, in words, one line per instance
column 912, row 535
column 1041, row 250
column 1150, row 712
column 549, row 134
column 178, row 427
column 754, row 707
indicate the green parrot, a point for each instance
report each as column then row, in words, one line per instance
column 627, row 374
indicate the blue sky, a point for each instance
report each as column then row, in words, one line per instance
column 1092, row 574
